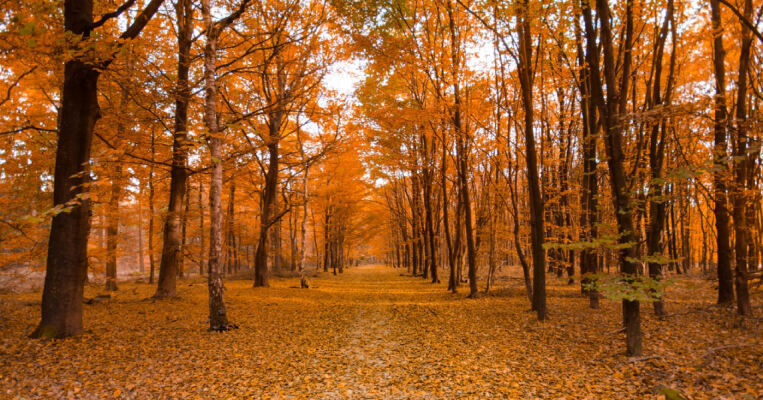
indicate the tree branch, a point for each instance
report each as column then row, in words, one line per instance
column 105, row 17
column 141, row 20
column 742, row 18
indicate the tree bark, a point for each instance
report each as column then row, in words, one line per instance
column 172, row 243
column 218, row 319
column 589, row 198
column 66, row 268
column 612, row 110
column 201, row 227
column 536, row 202
column 303, row 223
column 725, row 285
column 742, row 161
column 266, row 219
column 112, row 235
column 151, row 211
column 657, row 155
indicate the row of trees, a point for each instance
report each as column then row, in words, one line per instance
column 568, row 136
column 561, row 136
column 201, row 133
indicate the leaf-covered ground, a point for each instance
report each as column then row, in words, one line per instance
column 373, row 333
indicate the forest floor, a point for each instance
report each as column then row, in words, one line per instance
column 373, row 333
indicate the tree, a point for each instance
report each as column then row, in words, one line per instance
column 171, row 245
column 218, row 318
column 67, row 246
column 725, row 285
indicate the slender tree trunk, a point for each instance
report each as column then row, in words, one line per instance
column 326, row 241
column 611, row 110
column 172, row 240
column 303, row 223
column 471, row 251
column 657, row 156
column 276, row 236
column 315, row 242
column 112, row 236
column 141, row 260
column 218, row 319
column 725, row 285
column 231, row 222
column 430, row 227
column 513, row 187
column 201, row 226
column 589, row 198
column 151, row 211
column 742, row 161
column 536, row 202
column 184, row 231
column 452, row 282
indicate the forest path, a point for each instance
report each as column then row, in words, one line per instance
column 371, row 333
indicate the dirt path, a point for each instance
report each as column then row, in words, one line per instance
column 371, row 333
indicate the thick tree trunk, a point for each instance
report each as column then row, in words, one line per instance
column 172, row 243
column 268, row 201
column 67, row 245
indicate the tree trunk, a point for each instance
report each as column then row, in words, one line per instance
column 536, row 202
column 231, row 234
column 184, row 230
column 589, row 199
column 303, row 224
column 657, row 156
column 218, row 319
column 611, row 110
column 268, row 201
column 201, row 227
column 141, row 261
column 112, row 236
column 452, row 283
column 66, row 268
column 725, row 285
column 67, row 245
column 172, row 240
column 742, row 161
column 151, row 211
